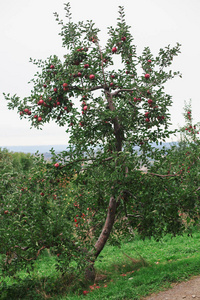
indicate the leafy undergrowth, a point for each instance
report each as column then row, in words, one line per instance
column 133, row 271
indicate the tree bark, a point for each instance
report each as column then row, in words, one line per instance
column 105, row 233
column 110, row 219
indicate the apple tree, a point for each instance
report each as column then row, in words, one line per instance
column 114, row 107
column 180, row 166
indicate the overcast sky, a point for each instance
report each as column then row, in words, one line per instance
column 28, row 29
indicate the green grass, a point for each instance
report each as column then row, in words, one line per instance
column 133, row 271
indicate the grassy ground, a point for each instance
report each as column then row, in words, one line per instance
column 135, row 270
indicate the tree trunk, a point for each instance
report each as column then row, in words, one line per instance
column 107, row 226
column 110, row 219
column 105, row 233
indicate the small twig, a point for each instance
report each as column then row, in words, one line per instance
column 168, row 175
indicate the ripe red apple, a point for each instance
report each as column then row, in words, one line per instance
column 85, row 108
column 112, row 76
column 86, row 66
column 40, row 102
column 147, row 120
column 79, row 74
column 58, row 103
column 6, row 212
column 111, row 83
column 52, row 67
column 65, row 84
column 56, row 165
column 85, row 292
column 42, row 194
column 149, row 61
column 150, row 101
column 123, row 38
column 146, row 114
column 81, row 124
column 55, row 90
column 35, row 117
column 147, row 76
column 114, row 50
column 26, row 110
column 92, row 77
column 44, row 85
column 29, row 112
column 39, row 119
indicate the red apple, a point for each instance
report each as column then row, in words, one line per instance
column 114, row 50
column 65, row 84
column 58, row 103
column 29, row 112
column 146, row 114
column 56, row 165
column 92, row 77
column 112, row 76
column 148, row 92
column 44, row 85
column 79, row 74
column 111, row 83
column 86, row 66
column 35, row 117
column 147, row 120
column 39, row 119
column 52, row 67
column 123, row 38
column 149, row 61
column 40, row 102
column 85, row 292
column 150, row 101
column 55, row 90
column 6, row 212
column 42, row 194
column 147, row 76
column 26, row 110
column 85, row 107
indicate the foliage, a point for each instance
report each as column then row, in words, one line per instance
column 114, row 106
column 182, row 164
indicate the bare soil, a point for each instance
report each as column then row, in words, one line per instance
column 180, row 291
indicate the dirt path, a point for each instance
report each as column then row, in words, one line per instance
column 180, row 291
